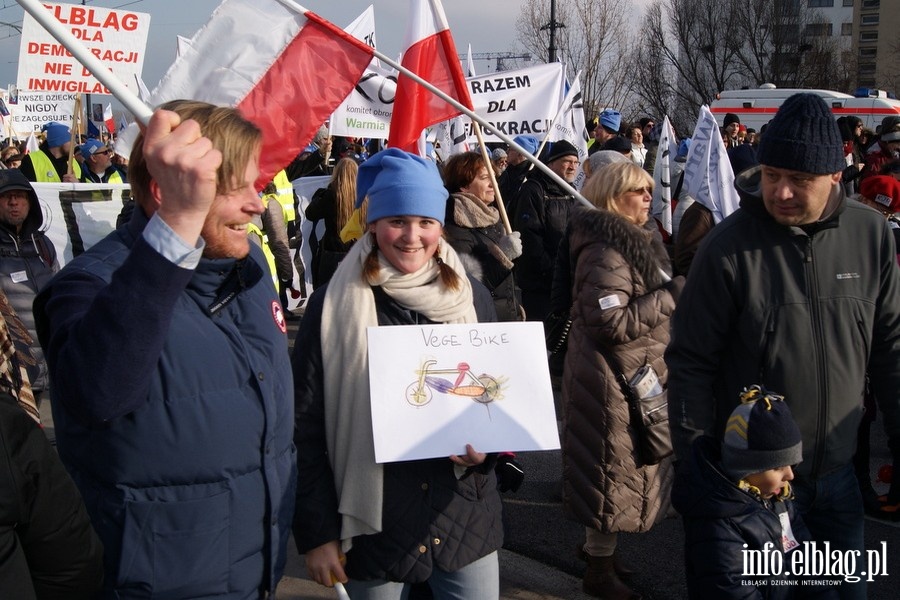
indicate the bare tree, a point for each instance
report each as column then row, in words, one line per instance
column 656, row 74
column 696, row 48
column 594, row 41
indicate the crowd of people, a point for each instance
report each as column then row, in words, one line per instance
column 192, row 443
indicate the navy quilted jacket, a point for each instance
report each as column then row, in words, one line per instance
column 174, row 420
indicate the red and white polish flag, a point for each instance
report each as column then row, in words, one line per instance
column 108, row 119
column 430, row 54
column 285, row 69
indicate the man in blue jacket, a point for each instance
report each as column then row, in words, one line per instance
column 172, row 383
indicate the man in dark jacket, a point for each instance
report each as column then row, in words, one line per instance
column 27, row 260
column 798, row 289
column 98, row 166
column 50, row 163
column 518, row 168
column 540, row 212
column 172, row 385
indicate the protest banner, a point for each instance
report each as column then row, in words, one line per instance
column 367, row 111
column 118, row 38
column 78, row 215
column 436, row 388
column 33, row 109
column 519, row 102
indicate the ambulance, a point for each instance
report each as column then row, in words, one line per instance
column 756, row 107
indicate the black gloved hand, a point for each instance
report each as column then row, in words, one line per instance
column 510, row 473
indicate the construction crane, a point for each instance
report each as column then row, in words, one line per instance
column 498, row 56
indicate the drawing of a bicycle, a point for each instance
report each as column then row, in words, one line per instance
column 483, row 389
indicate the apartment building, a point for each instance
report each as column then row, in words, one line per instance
column 876, row 45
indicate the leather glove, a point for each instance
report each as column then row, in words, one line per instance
column 511, row 245
column 510, row 473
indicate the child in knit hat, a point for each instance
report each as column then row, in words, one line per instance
column 736, row 500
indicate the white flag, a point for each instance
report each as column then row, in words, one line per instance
column 182, row 45
column 470, row 64
column 31, row 144
column 707, row 174
column 661, row 206
column 568, row 124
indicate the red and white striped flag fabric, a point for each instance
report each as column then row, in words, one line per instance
column 285, row 69
column 430, row 54
column 108, row 119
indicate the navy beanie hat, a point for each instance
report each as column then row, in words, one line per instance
column 398, row 183
column 761, row 434
column 57, row 134
column 561, row 149
column 803, row 136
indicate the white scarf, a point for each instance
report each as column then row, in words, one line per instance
column 348, row 310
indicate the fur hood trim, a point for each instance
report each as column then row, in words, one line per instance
column 640, row 248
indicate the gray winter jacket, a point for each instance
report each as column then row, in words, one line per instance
column 806, row 311
column 27, row 262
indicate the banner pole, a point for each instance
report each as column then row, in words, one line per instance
column 489, row 165
column 70, row 169
column 463, row 109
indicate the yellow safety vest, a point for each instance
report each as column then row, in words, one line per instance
column 252, row 229
column 45, row 172
column 284, row 191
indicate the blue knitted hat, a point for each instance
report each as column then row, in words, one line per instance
column 57, row 134
column 399, row 183
column 761, row 434
column 91, row 146
column 529, row 142
column 611, row 120
column 803, row 136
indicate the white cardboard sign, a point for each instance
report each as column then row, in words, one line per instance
column 436, row 388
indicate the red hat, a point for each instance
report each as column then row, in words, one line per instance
column 883, row 189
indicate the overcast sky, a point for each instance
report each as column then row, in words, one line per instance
column 489, row 25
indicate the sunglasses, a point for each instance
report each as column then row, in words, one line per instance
column 641, row 190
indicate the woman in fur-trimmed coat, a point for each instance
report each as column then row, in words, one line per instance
column 474, row 230
column 621, row 306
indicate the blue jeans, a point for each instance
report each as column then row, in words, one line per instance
column 832, row 509
column 479, row 580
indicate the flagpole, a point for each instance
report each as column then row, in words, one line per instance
column 484, row 123
column 141, row 111
column 70, row 168
column 489, row 165
column 460, row 107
